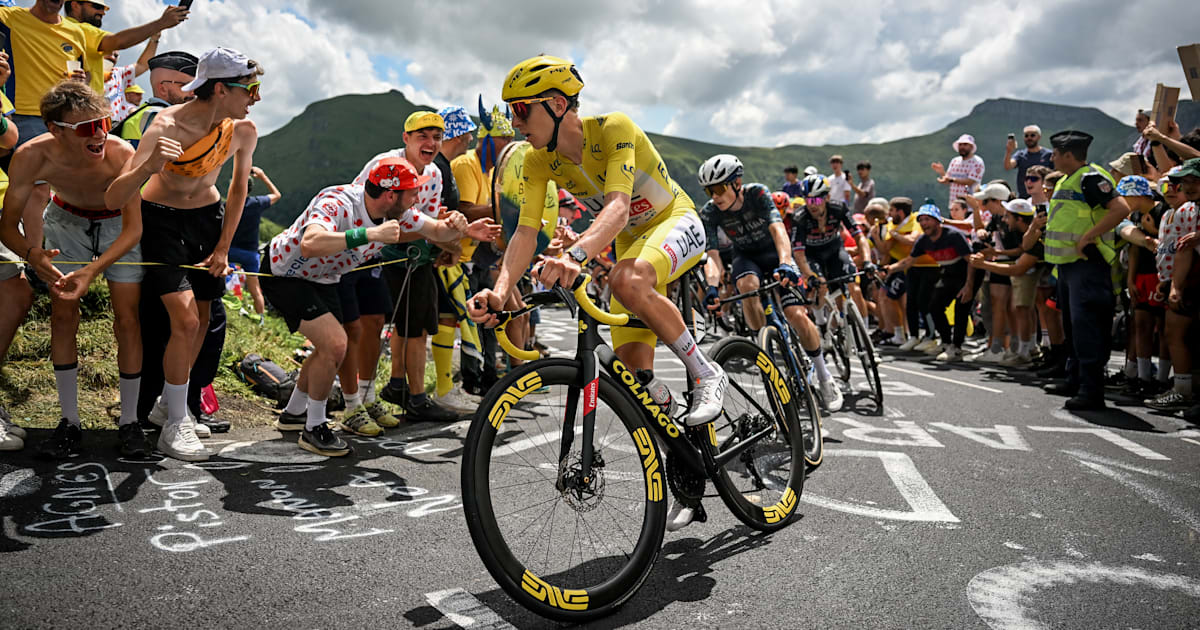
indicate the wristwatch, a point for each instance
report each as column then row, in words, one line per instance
column 577, row 254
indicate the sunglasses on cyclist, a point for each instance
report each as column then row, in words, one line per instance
column 88, row 128
column 520, row 108
column 814, row 201
column 251, row 88
column 716, row 189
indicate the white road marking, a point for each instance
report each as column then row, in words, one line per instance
column 1097, row 459
column 270, row 452
column 942, row 378
column 1112, row 438
column 1190, row 440
column 1001, row 596
column 926, row 506
column 465, row 610
column 1154, row 496
column 1003, row 437
column 19, row 482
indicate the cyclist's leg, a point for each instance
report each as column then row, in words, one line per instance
column 747, row 274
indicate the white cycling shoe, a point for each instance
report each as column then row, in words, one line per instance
column 832, row 395
column 708, row 398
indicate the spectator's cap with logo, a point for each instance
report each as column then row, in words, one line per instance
column 134, row 89
column 1134, row 186
column 810, row 170
column 423, row 120
column 220, row 63
column 930, row 209
column 1190, row 167
column 999, row 192
column 1019, row 206
column 1123, row 164
column 457, row 122
column 1071, row 139
column 966, row 138
column 176, row 60
column 395, row 173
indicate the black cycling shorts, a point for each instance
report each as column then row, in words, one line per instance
column 830, row 262
column 763, row 265
column 896, row 285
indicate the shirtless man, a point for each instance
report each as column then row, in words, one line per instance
column 185, row 221
column 79, row 159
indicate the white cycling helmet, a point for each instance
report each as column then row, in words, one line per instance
column 720, row 169
column 815, row 186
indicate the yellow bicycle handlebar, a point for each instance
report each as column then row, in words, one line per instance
column 585, row 303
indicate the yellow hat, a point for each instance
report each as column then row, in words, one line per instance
column 423, row 120
column 134, row 89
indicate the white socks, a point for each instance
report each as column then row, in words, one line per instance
column 131, row 385
column 818, row 360
column 176, row 397
column 316, row 414
column 354, row 400
column 367, row 389
column 1144, row 368
column 297, row 403
column 1183, row 384
column 66, row 381
column 1131, row 368
column 686, row 349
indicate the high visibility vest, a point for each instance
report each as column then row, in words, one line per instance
column 135, row 124
column 1070, row 217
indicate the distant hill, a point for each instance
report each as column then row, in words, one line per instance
column 331, row 140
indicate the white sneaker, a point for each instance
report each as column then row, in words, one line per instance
column 10, row 441
column 910, row 344
column 178, row 440
column 936, row 350
column 708, row 398
column 832, row 395
column 926, row 345
column 987, row 356
column 458, row 400
column 951, row 354
column 202, row 430
column 679, row 517
column 8, row 424
column 1016, row 359
column 158, row 413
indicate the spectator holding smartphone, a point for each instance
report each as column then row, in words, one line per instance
column 1032, row 155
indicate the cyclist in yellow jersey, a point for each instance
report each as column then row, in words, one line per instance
column 611, row 167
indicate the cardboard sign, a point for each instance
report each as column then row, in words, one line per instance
column 1189, row 56
column 1166, row 101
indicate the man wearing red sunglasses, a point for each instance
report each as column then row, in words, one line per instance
column 84, row 238
column 186, row 223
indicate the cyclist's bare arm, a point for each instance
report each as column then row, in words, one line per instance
column 715, row 269
column 783, row 245
column 613, row 218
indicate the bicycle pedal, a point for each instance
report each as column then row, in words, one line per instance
column 699, row 515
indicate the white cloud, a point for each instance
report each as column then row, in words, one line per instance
column 748, row 73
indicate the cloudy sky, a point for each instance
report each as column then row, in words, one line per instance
column 760, row 73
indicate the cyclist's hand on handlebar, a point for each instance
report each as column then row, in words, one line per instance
column 712, row 298
column 787, row 274
column 870, row 268
column 482, row 307
column 556, row 271
column 813, row 282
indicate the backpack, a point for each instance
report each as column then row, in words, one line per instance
column 266, row 378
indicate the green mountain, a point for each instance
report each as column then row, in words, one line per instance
column 331, row 140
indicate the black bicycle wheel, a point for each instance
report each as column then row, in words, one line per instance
column 834, row 341
column 570, row 554
column 866, row 355
column 804, row 401
column 756, row 441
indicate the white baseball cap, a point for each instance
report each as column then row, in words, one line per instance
column 219, row 63
column 999, row 192
column 1019, row 206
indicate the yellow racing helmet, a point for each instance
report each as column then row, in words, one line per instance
column 538, row 74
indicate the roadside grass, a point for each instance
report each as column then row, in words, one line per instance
column 27, row 387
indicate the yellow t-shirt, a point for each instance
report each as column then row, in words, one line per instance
column 900, row 251
column 617, row 157
column 93, row 59
column 39, row 53
column 472, row 188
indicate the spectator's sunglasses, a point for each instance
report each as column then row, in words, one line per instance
column 251, row 88
column 88, row 128
column 711, row 191
column 1033, row 178
column 520, row 108
column 1031, row 135
column 814, row 201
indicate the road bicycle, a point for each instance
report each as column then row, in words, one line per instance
column 782, row 345
column 565, row 488
column 844, row 334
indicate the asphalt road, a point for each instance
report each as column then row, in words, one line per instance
column 973, row 501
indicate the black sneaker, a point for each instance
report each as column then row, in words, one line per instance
column 396, row 395
column 66, row 441
column 291, row 421
column 323, row 441
column 215, row 425
column 428, row 411
column 1116, row 380
column 1135, row 388
column 133, row 442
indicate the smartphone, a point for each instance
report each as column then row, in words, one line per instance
column 186, row 4
column 1012, row 136
column 1041, row 212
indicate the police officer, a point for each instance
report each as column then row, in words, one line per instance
column 169, row 72
column 1084, row 211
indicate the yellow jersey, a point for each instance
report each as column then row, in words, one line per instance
column 617, row 157
column 39, row 53
column 93, row 59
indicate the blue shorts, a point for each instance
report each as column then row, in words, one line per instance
column 247, row 258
